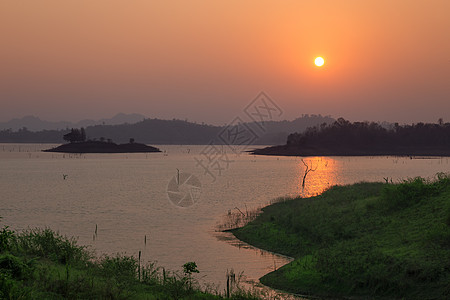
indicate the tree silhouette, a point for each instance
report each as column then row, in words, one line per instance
column 75, row 135
column 83, row 134
column 343, row 134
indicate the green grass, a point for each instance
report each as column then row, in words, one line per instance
column 368, row 240
column 41, row 264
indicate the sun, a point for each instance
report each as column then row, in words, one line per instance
column 319, row 61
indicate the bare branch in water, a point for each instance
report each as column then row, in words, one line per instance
column 307, row 170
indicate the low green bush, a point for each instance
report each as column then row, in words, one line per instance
column 49, row 244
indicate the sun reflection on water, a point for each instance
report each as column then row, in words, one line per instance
column 322, row 174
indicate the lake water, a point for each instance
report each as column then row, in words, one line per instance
column 126, row 197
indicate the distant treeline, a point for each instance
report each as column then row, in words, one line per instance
column 157, row 131
column 23, row 135
column 370, row 135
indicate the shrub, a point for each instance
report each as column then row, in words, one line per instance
column 15, row 266
column 121, row 268
column 49, row 244
column 6, row 236
column 408, row 193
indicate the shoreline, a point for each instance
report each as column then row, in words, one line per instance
column 345, row 242
column 253, row 247
column 276, row 290
column 231, row 239
column 285, row 150
column 241, row 243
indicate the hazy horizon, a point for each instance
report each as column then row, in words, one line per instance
column 74, row 121
column 205, row 61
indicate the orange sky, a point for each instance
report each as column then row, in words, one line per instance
column 206, row 60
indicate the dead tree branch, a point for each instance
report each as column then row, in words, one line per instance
column 307, row 170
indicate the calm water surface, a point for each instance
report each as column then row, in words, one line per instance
column 125, row 195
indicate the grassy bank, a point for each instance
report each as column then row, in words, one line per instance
column 41, row 264
column 369, row 240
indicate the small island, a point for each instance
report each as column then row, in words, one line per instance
column 79, row 144
column 344, row 138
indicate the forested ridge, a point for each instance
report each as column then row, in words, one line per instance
column 157, row 131
column 343, row 137
column 372, row 135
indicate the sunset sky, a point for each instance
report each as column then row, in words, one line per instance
column 206, row 60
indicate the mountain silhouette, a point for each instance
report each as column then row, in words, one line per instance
column 157, row 131
column 33, row 123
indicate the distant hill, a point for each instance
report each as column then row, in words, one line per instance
column 33, row 123
column 276, row 132
column 157, row 131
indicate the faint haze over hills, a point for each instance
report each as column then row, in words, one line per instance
column 34, row 123
column 157, row 131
